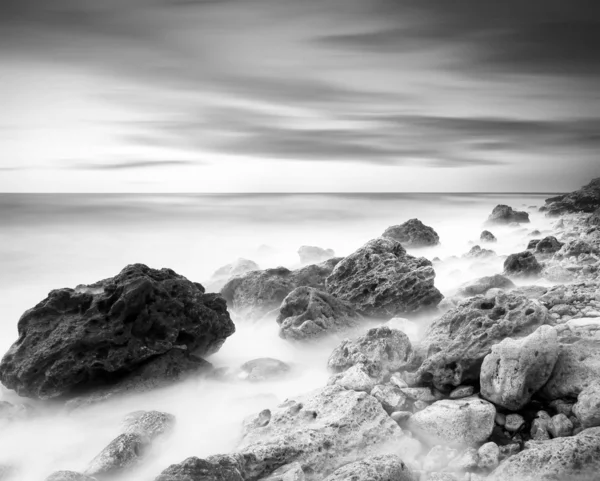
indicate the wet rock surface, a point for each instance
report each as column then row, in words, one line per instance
column 413, row 233
column 377, row 468
column 503, row 214
column 215, row 468
column 484, row 284
column 586, row 199
column 522, row 264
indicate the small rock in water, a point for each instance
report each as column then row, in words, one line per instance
column 461, row 392
column 548, row 245
column 522, row 264
column 388, row 467
column 413, row 233
column 149, row 424
column 514, row 422
column 587, row 408
column 560, row 426
column 123, row 452
column 466, row 461
column 489, row 455
column 314, row 255
column 487, row 236
column 263, row 369
column 503, row 214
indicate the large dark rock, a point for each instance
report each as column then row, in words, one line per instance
column 102, row 332
column 314, row 255
column 382, row 281
column 522, row 264
column 484, row 284
column 456, row 344
column 503, row 214
column 487, row 236
column 586, row 199
column 548, row 245
column 214, row 468
column 413, row 233
column 256, row 293
column 308, row 313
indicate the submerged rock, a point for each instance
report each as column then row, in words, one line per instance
column 522, row 264
column 594, row 219
column 388, row 467
column 307, row 313
column 548, row 245
column 215, row 468
column 67, row 476
column 586, row 199
column 484, row 284
column 101, row 332
column 314, row 255
column 382, row 281
column 264, row 368
column 503, row 214
column 457, row 343
column 487, row 236
column 413, row 233
column 256, row 293
column 476, row 252
column 236, row 268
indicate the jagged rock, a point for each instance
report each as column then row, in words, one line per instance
column 387, row 467
column 571, row 458
column 68, row 476
column 574, row 248
column 548, row 245
column 223, row 274
column 289, row 472
column 149, row 424
column 457, row 422
column 533, row 244
column 264, row 368
column 586, row 199
column 587, row 408
column 356, row 378
column 560, row 426
column 487, row 236
column 516, row 369
column 413, row 233
column 391, row 397
column 522, row 264
column 214, row 468
column 489, row 455
column 256, row 293
column 382, row 281
column 539, row 427
column 104, row 331
column 325, row 429
column 476, row 252
column 594, row 219
column 382, row 351
column 503, row 214
column 456, row 344
column 484, row 284
column 307, row 313
column 314, row 255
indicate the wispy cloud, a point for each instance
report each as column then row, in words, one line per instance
column 141, row 164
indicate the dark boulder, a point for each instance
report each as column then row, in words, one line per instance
column 477, row 252
column 387, row 467
column 586, row 199
column 100, row 333
column 413, row 233
column 548, row 245
column 256, row 293
column 314, row 255
column 484, row 284
column 503, row 214
column 594, row 219
column 487, row 236
column 308, row 313
column 382, row 281
column 533, row 244
column 522, row 264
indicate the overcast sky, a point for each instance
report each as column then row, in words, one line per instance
column 299, row 95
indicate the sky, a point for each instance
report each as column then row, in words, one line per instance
column 299, row 95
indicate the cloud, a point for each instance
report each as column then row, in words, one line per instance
column 141, row 164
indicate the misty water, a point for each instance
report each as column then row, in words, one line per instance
column 53, row 241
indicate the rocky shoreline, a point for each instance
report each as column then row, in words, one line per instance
column 504, row 385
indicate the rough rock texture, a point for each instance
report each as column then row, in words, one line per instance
column 594, row 219
column 307, row 313
column 214, row 468
column 503, row 214
column 413, row 233
column 314, row 255
column 586, row 199
column 522, row 264
column 322, row 430
column 487, row 236
column 382, row 281
column 484, row 284
column 223, row 274
column 288, row 472
column 533, row 244
column 457, row 343
column 517, row 369
column 376, row 468
column 256, row 293
column 68, row 476
column 587, row 407
column 476, row 252
column 264, row 368
column 356, row 378
column 381, row 350
column 101, row 332
column 575, row 458
column 149, row 424
column 548, row 245
column 457, row 422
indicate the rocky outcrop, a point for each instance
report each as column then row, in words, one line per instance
column 307, row 313
column 388, row 467
column 516, row 369
column 522, row 264
column 214, row 468
column 586, row 199
column 467, row 421
column 587, row 407
column 413, row 233
column 503, row 214
column 594, row 219
column 564, row 458
column 484, row 284
column 68, row 476
column 102, row 332
column 487, row 236
column 314, row 255
column 256, row 293
column 476, row 252
column 223, row 274
column 382, row 281
column 381, row 350
column 548, row 245
column 456, row 344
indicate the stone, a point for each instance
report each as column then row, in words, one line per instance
column 484, row 284
column 539, row 426
column 571, row 458
column 522, row 264
column 594, row 219
column 461, row 392
column 467, row 421
column 289, row 472
column 382, row 350
column 533, row 244
column 214, row 468
column 148, row 424
column 424, row 394
column 103, row 332
column 548, row 245
column 516, row 369
column 401, row 416
column 263, row 369
column 557, row 274
column 68, row 476
column 509, row 450
column 413, row 233
column 500, row 419
column 391, row 397
column 575, row 248
column 122, row 453
column 503, row 214
column 223, row 274
column 254, row 294
column 456, row 344
column 387, row 467
column 562, row 406
column 587, row 407
column 560, row 426
column 586, row 199
column 314, row 255
column 356, row 378
column 307, row 313
column 514, row 422
column 489, row 455
column 487, row 236
column 438, row 458
column 382, row 281
column 476, row 252
column 466, row 461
